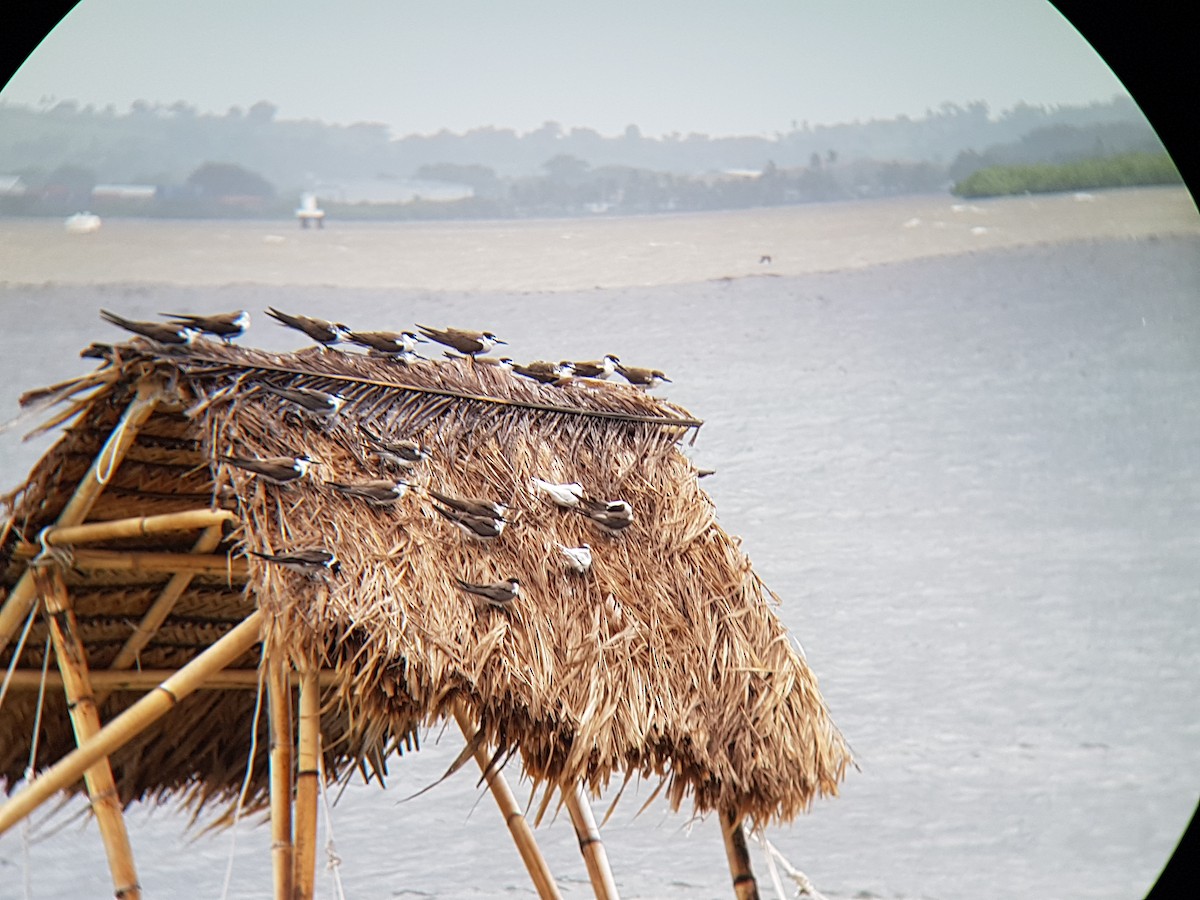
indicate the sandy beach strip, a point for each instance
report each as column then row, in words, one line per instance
column 578, row 254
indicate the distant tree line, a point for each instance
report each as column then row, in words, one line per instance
column 1124, row 170
column 248, row 162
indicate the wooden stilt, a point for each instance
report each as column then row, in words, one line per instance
column 131, row 722
column 522, row 834
column 590, row 843
column 309, row 746
column 744, row 885
column 85, row 720
column 280, row 714
column 16, row 606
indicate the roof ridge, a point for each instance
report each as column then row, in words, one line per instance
column 672, row 421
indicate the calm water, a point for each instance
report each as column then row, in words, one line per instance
column 972, row 479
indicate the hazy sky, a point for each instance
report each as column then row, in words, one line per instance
column 712, row 66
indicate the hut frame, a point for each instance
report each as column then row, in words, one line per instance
column 296, row 732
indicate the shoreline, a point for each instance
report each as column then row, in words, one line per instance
column 577, row 254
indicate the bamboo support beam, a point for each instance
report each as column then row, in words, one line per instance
column 148, row 679
column 522, row 834
column 138, row 526
column 132, row 722
column 149, row 391
column 85, row 721
column 590, row 843
column 745, row 887
column 279, row 697
column 234, row 569
column 307, row 786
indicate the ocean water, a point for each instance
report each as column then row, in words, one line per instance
column 971, row 477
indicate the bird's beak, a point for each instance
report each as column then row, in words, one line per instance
column 498, row 341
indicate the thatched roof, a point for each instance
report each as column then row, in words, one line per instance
column 665, row 661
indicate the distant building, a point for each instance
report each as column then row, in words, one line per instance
column 123, row 198
column 127, row 193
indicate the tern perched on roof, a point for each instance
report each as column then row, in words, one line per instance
column 565, row 495
column 275, row 469
column 472, row 343
column 579, row 558
column 498, row 593
column 225, row 326
column 399, row 453
column 643, row 378
column 159, row 332
column 323, row 332
column 503, row 363
column 473, row 506
column 315, row 404
column 377, row 493
column 482, row 528
column 310, row 562
column 543, row 371
column 611, row 516
column 594, row 368
column 387, row 343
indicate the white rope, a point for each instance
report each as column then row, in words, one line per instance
column 804, row 887
column 31, row 769
column 761, row 837
column 237, row 811
column 12, row 666
column 332, row 860
column 107, row 464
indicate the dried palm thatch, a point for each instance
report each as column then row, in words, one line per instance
column 665, row 661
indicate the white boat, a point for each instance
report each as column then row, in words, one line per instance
column 82, row 223
column 308, row 211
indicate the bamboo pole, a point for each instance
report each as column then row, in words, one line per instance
column 149, row 391
column 132, row 721
column 138, row 526
column 235, row 569
column 590, row 843
column 309, row 746
column 744, row 885
column 522, row 834
column 279, row 695
column 85, row 720
column 148, row 679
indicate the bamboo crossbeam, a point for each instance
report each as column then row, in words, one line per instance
column 522, row 834
column 149, row 391
column 163, row 603
column 235, row 569
column 279, row 704
column 148, row 679
column 85, row 720
column 745, row 887
column 132, row 722
column 138, row 526
column 590, row 843
column 307, row 786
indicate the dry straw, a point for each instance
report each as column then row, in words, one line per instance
column 666, row 661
